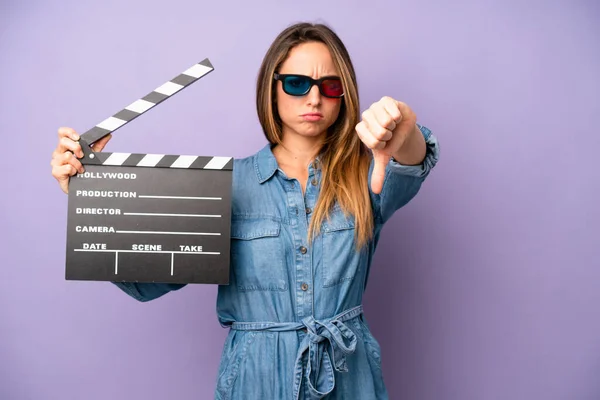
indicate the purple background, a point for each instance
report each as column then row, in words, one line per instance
column 486, row 286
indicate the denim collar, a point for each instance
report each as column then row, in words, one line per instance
column 265, row 163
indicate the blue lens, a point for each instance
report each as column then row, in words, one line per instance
column 296, row 85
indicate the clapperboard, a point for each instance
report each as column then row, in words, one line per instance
column 149, row 217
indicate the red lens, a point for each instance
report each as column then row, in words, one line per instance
column 332, row 87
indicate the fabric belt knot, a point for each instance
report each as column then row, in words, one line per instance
column 323, row 349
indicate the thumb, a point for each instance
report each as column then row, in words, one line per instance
column 64, row 184
column 380, row 161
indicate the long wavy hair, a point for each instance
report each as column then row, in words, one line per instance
column 344, row 159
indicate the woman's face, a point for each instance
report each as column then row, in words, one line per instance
column 309, row 115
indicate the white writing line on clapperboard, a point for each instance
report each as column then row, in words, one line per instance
column 175, row 215
column 179, row 197
column 173, row 233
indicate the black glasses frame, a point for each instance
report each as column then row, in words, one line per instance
column 313, row 82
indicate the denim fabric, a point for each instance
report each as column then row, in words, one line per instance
column 294, row 310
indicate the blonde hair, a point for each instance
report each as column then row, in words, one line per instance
column 344, row 159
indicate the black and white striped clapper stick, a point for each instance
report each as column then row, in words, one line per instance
column 149, row 217
column 138, row 107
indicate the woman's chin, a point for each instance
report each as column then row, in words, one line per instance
column 311, row 131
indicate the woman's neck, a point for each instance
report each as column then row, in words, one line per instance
column 298, row 151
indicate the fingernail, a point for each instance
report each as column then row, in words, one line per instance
column 74, row 137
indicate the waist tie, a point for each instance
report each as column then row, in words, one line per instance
column 320, row 333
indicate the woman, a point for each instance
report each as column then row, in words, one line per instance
column 307, row 211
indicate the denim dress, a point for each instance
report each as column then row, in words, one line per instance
column 294, row 309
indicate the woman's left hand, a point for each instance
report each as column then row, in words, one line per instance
column 385, row 128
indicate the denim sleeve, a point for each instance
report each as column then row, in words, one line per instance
column 402, row 182
column 147, row 291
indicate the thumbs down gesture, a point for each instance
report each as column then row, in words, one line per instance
column 389, row 128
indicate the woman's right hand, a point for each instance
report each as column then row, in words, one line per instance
column 65, row 158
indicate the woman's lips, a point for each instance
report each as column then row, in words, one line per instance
column 312, row 116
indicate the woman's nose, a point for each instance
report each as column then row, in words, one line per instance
column 314, row 96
